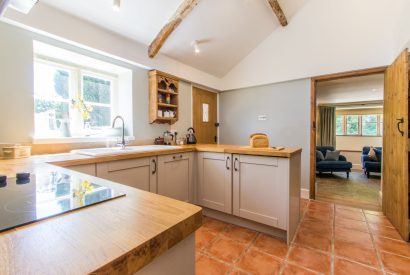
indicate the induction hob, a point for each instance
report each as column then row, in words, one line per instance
column 47, row 195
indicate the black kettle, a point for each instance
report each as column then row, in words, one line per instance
column 190, row 137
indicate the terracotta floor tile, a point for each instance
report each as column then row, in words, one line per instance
column 310, row 259
column 317, row 227
column 351, row 224
column 310, row 239
column 204, row 237
column 380, row 220
column 319, row 208
column 256, row 262
column 318, row 215
column 291, row 269
column 271, row 245
column 226, row 250
column 345, row 267
column 373, row 212
column 239, row 272
column 395, row 264
column 213, row 224
column 320, row 205
column 205, row 266
column 349, row 214
column 338, row 206
column 240, row 234
column 354, row 236
column 356, row 252
column 317, row 218
column 394, row 246
column 385, row 231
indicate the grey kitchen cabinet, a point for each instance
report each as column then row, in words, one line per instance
column 88, row 169
column 140, row 173
column 215, row 181
column 175, row 176
column 260, row 189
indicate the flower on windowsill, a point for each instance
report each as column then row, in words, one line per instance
column 84, row 109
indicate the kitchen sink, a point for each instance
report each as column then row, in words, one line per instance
column 95, row 152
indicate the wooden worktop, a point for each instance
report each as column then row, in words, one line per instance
column 116, row 237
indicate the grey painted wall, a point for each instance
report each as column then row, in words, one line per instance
column 287, row 106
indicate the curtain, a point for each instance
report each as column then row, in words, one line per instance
column 326, row 126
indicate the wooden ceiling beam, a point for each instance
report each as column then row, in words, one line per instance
column 182, row 11
column 279, row 12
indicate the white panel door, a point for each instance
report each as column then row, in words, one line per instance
column 175, row 176
column 139, row 173
column 260, row 190
column 215, row 181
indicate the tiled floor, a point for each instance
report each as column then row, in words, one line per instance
column 331, row 239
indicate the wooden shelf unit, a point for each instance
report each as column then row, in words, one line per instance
column 162, row 85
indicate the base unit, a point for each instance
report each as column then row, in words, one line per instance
column 139, row 173
column 267, row 190
column 215, row 181
column 175, row 176
column 88, row 169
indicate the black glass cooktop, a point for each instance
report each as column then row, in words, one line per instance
column 47, row 195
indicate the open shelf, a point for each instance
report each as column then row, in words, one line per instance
column 163, row 88
column 167, row 105
column 166, row 92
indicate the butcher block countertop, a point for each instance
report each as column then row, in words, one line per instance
column 115, row 237
column 119, row 236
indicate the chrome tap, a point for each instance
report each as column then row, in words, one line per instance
column 122, row 144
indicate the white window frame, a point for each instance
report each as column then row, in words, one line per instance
column 76, row 91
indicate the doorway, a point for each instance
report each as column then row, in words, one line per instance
column 205, row 115
column 349, row 138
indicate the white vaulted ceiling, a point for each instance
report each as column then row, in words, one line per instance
column 227, row 30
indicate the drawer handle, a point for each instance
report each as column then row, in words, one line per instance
column 227, row 163
column 155, row 166
column 234, row 164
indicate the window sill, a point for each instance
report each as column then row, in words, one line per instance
column 78, row 139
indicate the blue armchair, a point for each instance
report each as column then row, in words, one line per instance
column 371, row 165
column 341, row 165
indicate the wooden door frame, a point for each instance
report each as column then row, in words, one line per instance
column 313, row 95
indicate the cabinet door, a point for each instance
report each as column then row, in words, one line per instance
column 139, row 173
column 215, row 181
column 88, row 169
column 260, row 190
column 175, row 176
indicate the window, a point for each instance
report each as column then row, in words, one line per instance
column 340, row 125
column 369, row 125
column 359, row 125
column 352, row 125
column 71, row 101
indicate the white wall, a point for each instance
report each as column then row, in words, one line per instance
column 185, row 109
column 327, row 36
column 370, row 88
column 287, row 106
column 74, row 30
column 16, row 89
column 16, row 85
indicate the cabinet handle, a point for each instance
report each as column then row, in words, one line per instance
column 155, row 166
column 234, row 164
column 227, row 163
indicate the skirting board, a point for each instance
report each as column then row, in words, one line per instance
column 304, row 193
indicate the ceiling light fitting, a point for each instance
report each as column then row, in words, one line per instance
column 116, row 5
column 197, row 50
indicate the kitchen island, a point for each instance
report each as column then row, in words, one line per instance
column 143, row 230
